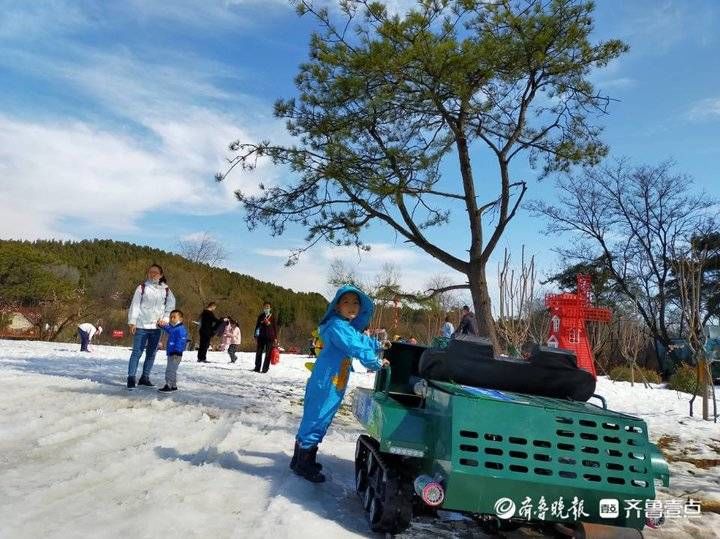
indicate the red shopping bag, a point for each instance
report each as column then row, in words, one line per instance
column 275, row 355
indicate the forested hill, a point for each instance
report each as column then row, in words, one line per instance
column 68, row 282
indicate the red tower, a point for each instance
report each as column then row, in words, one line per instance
column 568, row 315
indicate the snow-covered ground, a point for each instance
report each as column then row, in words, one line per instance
column 80, row 456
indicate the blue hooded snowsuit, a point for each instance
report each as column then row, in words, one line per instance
column 343, row 340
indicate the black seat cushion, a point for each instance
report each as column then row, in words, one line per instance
column 548, row 372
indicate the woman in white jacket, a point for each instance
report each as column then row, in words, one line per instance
column 153, row 301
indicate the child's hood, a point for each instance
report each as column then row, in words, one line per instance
column 362, row 320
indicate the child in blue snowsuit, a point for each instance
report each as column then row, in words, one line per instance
column 340, row 329
column 177, row 340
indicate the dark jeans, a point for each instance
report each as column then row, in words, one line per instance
column 263, row 346
column 144, row 339
column 84, row 340
column 203, row 347
column 232, row 349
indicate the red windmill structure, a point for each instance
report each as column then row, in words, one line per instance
column 568, row 315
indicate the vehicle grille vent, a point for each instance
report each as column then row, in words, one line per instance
column 582, row 450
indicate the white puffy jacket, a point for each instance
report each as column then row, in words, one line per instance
column 155, row 303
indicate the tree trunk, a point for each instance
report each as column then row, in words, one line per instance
column 481, row 301
column 702, row 372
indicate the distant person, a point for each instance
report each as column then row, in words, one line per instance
column 235, row 339
column 227, row 331
column 86, row 332
column 468, row 323
column 447, row 328
column 265, row 337
column 381, row 335
column 177, row 340
column 152, row 302
column 528, row 349
column 412, row 340
column 209, row 324
column 317, row 344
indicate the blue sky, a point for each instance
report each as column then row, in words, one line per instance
column 114, row 117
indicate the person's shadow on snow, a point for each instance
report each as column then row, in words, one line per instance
column 333, row 500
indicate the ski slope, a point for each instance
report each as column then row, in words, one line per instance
column 81, row 456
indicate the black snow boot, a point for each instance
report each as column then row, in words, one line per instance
column 165, row 388
column 313, row 457
column 304, row 466
column 145, row 381
column 131, row 382
column 293, row 462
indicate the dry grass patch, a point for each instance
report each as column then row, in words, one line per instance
column 667, row 443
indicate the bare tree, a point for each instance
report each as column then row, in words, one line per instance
column 60, row 313
column 203, row 249
column 382, row 288
column 689, row 265
column 539, row 321
column 339, row 274
column 632, row 337
column 632, row 219
column 599, row 335
column 517, row 293
column 384, row 291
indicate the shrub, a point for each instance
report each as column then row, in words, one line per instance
column 684, row 379
column 622, row 373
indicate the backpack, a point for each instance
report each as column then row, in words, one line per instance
column 142, row 293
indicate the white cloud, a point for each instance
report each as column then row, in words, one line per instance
column 379, row 254
column 214, row 12
column 618, row 83
column 34, row 20
column 58, row 171
column 311, row 271
column 705, row 109
column 105, row 175
column 653, row 28
column 37, row 19
column 152, row 135
column 273, row 253
column 18, row 223
column 197, row 236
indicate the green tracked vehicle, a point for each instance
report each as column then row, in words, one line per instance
column 505, row 459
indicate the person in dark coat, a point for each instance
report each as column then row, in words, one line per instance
column 209, row 324
column 468, row 323
column 265, row 337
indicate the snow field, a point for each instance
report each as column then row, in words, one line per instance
column 81, row 456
